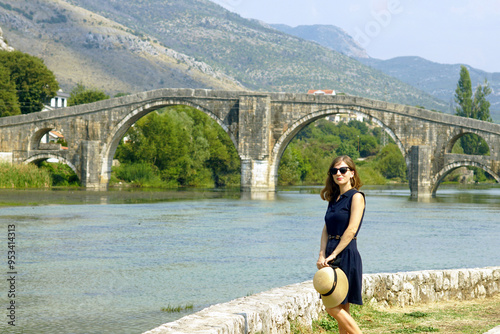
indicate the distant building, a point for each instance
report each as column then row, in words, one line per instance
column 52, row 137
column 346, row 118
column 321, row 92
column 58, row 101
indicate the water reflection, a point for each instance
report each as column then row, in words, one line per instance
column 34, row 197
column 483, row 194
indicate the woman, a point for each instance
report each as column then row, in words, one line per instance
column 346, row 207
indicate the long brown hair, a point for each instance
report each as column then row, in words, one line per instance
column 331, row 189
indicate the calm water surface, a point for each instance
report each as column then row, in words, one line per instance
column 108, row 262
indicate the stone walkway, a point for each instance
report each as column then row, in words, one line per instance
column 495, row 330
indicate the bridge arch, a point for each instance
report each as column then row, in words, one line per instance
column 45, row 156
column 459, row 134
column 260, row 125
column 113, row 139
column 450, row 167
column 34, row 143
column 291, row 132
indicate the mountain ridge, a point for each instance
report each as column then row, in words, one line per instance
column 259, row 57
column 89, row 49
column 329, row 36
column 437, row 79
column 124, row 46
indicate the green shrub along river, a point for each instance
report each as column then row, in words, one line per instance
column 180, row 146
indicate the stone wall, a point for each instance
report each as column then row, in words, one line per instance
column 402, row 289
column 271, row 311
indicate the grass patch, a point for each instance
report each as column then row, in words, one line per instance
column 416, row 314
column 23, row 176
column 418, row 329
column 139, row 175
column 447, row 317
column 180, row 308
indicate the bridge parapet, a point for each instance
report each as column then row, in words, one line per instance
column 460, row 159
column 49, row 146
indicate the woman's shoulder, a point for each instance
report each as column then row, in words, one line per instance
column 355, row 192
column 358, row 197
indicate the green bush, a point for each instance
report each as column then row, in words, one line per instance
column 61, row 175
column 391, row 163
column 141, row 174
column 23, row 176
column 371, row 175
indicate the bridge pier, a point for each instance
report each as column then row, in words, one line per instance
column 253, row 142
column 90, row 165
column 419, row 174
column 256, row 176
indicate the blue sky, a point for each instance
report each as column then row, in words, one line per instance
column 444, row 31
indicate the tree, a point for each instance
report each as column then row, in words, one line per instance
column 472, row 106
column 9, row 104
column 463, row 94
column 481, row 106
column 367, row 145
column 81, row 95
column 35, row 83
column 391, row 162
column 186, row 147
column 348, row 149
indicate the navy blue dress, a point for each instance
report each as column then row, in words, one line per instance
column 337, row 219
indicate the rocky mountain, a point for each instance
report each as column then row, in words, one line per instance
column 138, row 45
column 3, row 44
column 81, row 46
column 439, row 80
column 330, row 36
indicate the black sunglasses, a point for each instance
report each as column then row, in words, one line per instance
column 333, row 170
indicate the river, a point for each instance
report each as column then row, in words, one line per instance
column 108, row 262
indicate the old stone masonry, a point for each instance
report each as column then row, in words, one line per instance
column 271, row 311
column 260, row 125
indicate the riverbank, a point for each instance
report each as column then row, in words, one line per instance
column 446, row 317
column 23, row 176
column 298, row 306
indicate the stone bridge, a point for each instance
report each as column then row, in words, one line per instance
column 260, row 125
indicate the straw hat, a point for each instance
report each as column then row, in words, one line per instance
column 332, row 284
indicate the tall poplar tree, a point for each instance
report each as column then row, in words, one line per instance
column 472, row 106
column 463, row 94
column 480, row 105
